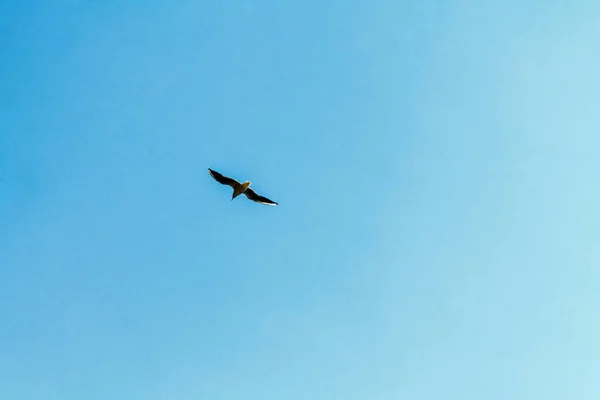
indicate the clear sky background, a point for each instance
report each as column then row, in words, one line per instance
column 436, row 165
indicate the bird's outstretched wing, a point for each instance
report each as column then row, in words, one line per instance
column 223, row 180
column 251, row 194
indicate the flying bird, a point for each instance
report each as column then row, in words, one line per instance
column 239, row 188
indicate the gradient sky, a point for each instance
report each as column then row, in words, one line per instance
column 436, row 165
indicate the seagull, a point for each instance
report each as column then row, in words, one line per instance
column 239, row 188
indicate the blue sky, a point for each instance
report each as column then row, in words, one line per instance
column 436, row 166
